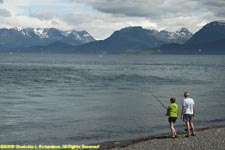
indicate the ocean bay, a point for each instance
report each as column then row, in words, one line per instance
column 76, row 99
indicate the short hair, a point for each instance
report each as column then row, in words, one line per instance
column 172, row 100
column 186, row 94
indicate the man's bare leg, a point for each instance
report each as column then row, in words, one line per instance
column 192, row 128
column 188, row 128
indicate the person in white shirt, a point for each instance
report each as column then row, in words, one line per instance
column 187, row 113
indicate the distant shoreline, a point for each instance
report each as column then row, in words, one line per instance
column 105, row 54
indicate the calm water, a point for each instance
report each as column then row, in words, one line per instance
column 84, row 99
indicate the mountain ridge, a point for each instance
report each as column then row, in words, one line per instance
column 134, row 38
column 210, row 39
column 26, row 37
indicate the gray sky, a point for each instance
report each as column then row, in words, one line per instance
column 101, row 17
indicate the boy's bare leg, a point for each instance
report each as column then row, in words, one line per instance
column 172, row 129
column 175, row 132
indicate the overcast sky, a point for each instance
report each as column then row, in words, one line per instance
column 101, row 17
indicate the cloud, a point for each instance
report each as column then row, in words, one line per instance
column 24, row 21
column 101, row 25
column 216, row 7
column 190, row 22
column 98, row 24
column 157, row 10
column 4, row 13
column 165, row 14
column 102, row 17
column 154, row 9
column 46, row 15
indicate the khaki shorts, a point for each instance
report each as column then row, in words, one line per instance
column 188, row 117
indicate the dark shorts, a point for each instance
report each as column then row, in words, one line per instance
column 188, row 117
column 172, row 119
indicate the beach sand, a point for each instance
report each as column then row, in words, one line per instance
column 205, row 139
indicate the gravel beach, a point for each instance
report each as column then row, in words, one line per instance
column 205, row 139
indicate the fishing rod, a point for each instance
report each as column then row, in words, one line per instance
column 159, row 101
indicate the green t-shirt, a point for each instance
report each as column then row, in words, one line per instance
column 173, row 110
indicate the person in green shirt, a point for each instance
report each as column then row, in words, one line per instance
column 172, row 112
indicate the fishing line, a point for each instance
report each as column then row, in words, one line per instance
column 156, row 98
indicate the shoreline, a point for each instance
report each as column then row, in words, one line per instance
column 158, row 140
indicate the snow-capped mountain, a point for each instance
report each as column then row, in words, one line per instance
column 130, row 38
column 210, row 39
column 180, row 36
column 25, row 37
column 136, row 38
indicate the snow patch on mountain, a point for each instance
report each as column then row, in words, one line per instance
column 86, row 35
column 180, row 36
column 183, row 32
column 41, row 32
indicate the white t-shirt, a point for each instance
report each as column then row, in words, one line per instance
column 188, row 105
